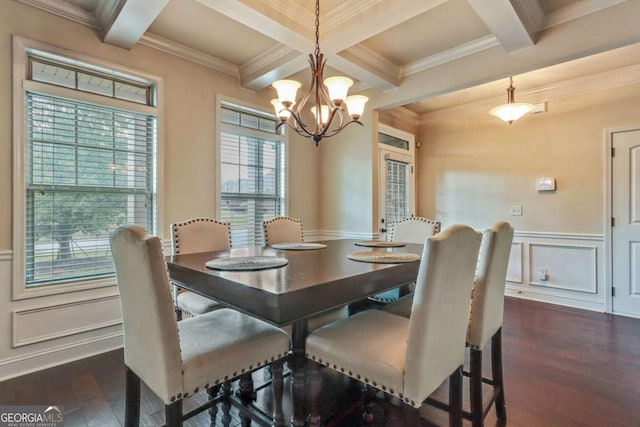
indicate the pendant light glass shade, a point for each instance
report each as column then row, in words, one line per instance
column 511, row 111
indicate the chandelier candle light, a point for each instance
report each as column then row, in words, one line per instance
column 512, row 110
column 330, row 99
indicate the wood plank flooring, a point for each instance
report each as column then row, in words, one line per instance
column 562, row 367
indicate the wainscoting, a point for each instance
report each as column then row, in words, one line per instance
column 51, row 330
column 566, row 269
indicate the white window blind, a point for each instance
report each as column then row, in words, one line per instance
column 397, row 191
column 88, row 169
column 252, row 167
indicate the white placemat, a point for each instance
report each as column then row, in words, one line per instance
column 246, row 263
column 383, row 257
column 380, row 244
column 299, row 246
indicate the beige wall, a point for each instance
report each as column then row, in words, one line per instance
column 189, row 124
column 472, row 169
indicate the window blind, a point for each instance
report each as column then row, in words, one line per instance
column 88, row 169
column 252, row 180
column 397, row 191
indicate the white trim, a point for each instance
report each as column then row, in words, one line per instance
column 460, row 51
column 559, row 236
column 6, row 255
column 344, row 11
column 21, row 47
column 520, row 278
column 577, row 10
column 66, row 10
column 55, row 356
column 16, row 315
column 594, row 273
column 553, row 298
column 334, row 234
column 608, row 211
column 190, row 54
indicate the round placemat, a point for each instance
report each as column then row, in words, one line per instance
column 384, row 257
column 299, row 246
column 246, row 263
column 380, row 244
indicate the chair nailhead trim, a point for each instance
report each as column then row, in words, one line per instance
column 195, row 391
column 173, row 398
column 179, row 395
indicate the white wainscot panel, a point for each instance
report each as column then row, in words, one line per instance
column 46, row 323
column 515, row 268
column 568, row 267
column 635, row 269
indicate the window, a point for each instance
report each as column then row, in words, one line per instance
column 89, row 156
column 396, row 185
column 252, row 172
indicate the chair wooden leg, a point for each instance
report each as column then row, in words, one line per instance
column 212, row 393
column 132, row 399
column 178, row 314
column 314, row 391
column 277, row 385
column 475, row 387
column 455, row 398
column 496, row 370
column 173, row 414
column 369, row 394
column 225, row 392
column 247, row 395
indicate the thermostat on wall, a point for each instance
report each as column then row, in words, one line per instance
column 546, row 184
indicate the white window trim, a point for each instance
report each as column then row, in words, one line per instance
column 21, row 48
column 220, row 99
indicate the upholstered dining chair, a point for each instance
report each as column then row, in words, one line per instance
column 410, row 358
column 289, row 230
column 411, row 230
column 485, row 319
column 178, row 359
column 282, row 229
column 191, row 236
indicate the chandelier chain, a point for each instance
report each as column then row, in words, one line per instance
column 317, row 52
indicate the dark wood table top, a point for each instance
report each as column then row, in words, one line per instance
column 314, row 281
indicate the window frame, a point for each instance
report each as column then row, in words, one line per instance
column 221, row 126
column 400, row 155
column 22, row 47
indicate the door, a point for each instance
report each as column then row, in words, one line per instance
column 625, row 208
column 396, row 176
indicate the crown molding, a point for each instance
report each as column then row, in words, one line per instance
column 574, row 87
column 190, row 54
column 530, row 13
column 294, row 12
column 269, row 56
column 65, row 10
column 577, row 10
column 400, row 115
column 344, row 12
column 465, row 49
column 374, row 61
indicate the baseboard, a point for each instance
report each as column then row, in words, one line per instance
column 36, row 361
column 552, row 298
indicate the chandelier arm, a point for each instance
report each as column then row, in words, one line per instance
column 335, row 111
column 336, row 131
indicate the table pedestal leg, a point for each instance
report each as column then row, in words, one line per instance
column 298, row 366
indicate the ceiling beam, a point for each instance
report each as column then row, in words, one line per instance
column 124, row 26
column 515, row 27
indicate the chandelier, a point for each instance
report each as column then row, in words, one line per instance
column 330, row 115
column 512, row 110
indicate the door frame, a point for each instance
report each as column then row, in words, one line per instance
column 608, row 211
column 411, row 138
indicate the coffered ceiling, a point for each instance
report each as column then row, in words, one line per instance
column 395, row 47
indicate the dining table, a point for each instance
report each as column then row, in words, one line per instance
column 311, row 282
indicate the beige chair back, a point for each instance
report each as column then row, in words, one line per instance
column 487, row 304
column 282, row 230
column 200, row 235
column 151, row 346
column 439, row 315
column 413, row 230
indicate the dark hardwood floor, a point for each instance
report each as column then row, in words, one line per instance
column 562, row 367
